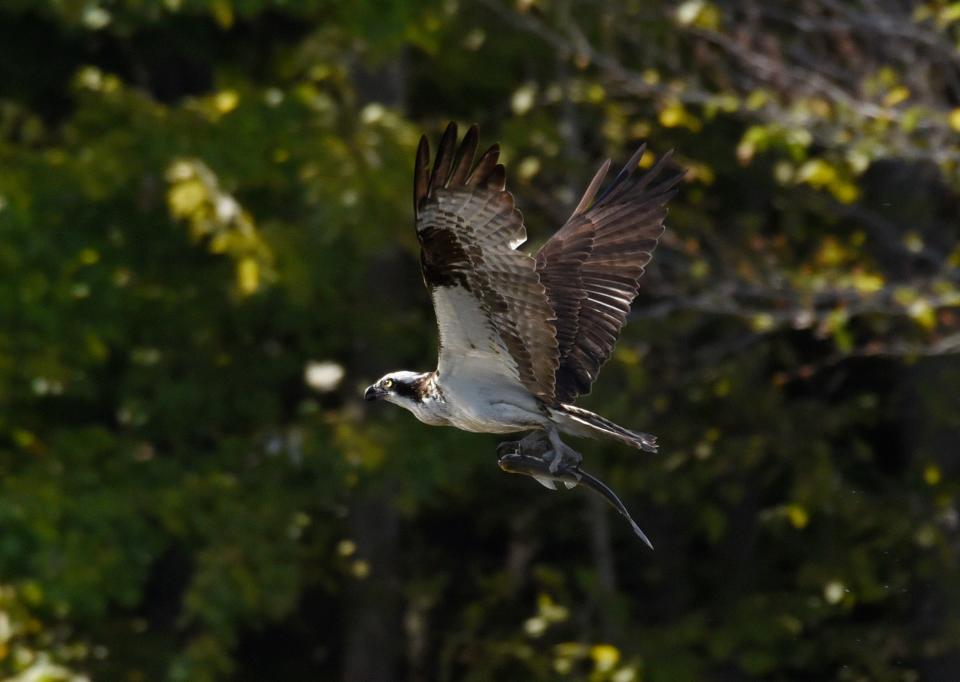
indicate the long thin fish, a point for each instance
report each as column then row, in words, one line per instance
column 534, row 466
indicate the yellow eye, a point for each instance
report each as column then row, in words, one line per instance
column 388, row 383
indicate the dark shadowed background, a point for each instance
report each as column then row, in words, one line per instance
column 206, row 252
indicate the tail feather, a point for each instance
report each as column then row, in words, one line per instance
column 583, row 422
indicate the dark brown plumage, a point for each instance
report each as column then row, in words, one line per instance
column 592, row 266
column 559, row 315
column 469, row 229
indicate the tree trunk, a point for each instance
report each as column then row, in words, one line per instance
column 373, row 605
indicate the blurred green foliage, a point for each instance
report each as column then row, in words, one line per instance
column 206, row 251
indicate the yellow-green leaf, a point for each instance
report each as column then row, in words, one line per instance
column 605, row 656
column 954, row 119
column 896, row 96
column 248, row 276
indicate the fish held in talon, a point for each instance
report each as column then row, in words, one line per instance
column 570, row 477
column 539, row 469
column 523, row 335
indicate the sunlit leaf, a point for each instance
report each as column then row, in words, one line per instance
column 798, row 516
column 896, row 96
column 954, row 119
column 699, row 13
column 605, row 656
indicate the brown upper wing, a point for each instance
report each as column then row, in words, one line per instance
column 592, row 266
column 492, row 310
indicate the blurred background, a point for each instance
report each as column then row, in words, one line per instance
column 206, row 250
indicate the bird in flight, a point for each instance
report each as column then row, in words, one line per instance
column 522, row 336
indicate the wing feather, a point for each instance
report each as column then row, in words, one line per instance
column 484, row 166
column 592, row 266
column 492, row 309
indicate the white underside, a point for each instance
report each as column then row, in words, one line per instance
column 484, row 403
column 477, row 376
column 478, row 382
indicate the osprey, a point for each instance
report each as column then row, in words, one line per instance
column 522, row 336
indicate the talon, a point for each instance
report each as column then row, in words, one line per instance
column 567, row 469
column 509, row 447
column 564, row 459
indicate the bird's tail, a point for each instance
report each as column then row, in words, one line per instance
column 581, row 422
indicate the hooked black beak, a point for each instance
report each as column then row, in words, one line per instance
column 373, row 393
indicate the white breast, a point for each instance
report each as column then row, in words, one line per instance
column 430, row 411
column 483, row 402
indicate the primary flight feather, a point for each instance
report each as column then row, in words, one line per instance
column 521, row 336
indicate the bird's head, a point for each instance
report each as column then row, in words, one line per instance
column 401, row 388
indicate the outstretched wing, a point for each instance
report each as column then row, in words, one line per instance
column 492, row 310
column 592, row 266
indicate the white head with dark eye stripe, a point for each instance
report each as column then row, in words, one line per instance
column 400, row 388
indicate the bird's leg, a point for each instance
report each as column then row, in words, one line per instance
column 534, row 444
column 531, row 456
column 562, row 457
